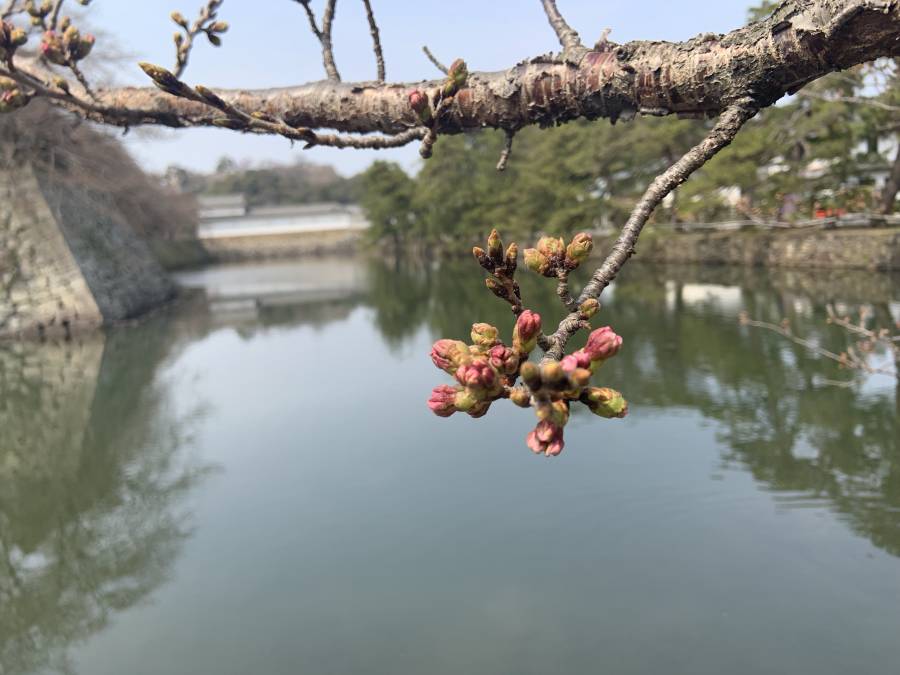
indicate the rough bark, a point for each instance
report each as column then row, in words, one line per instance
column 800, row 42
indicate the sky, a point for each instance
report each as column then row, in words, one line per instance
column 269, row 44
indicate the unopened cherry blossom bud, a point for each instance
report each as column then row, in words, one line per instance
column 52, row 48
column 497, row 288
column 551, row 373
column 483, row 258
column 537, row 262
column 579, row 359
column 531, row 375
column 457, row 74
column 479, row 409
column 478, row 374
column 589, row 307
column 528, row 326
column 178, row 18
column 449, row 355
column 605, row 402
column 580, row 377
column 443, row 400
column 511, row 257
column 546, row 439
column 418, row 101
column 520, row 396
column 503, row 359
column 580, row 248
column 551, row 246
column 495, row 247
column 484, row 335
column 603, row 344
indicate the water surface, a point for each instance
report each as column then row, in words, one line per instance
column 251, row 483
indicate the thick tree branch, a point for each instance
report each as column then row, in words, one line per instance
column 803, row 40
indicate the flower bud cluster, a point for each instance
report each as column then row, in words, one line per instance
column 552, row 256
column 501, row 265
column 487, row 370
column 484, row 370
column 11, row 96
column 67, row 47
column 11, row 38
column 552, row 386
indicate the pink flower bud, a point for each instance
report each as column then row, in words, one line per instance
column 478, row 374
column 443, row 400
column 579, row 359
column 547, row 438
column 603, row 344
column 503, row 359
column 448, row 355
column 418, row 101
column 528, row 325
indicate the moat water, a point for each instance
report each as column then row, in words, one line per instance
column 250, row 482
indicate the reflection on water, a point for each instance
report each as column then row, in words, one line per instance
column 347, row 530
column 92, row 475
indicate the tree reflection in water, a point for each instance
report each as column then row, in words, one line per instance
column 91, row 512
column 779, row 418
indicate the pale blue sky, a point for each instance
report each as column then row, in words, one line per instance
column 269, row 44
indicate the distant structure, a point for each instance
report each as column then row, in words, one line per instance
column 230, row 230
column 68, row 260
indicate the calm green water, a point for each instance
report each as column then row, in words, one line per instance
column 251, row 483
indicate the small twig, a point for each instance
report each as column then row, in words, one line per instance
column 507, row 149
column 324, row 36
column 562, row 290
column 82, row 80
column 573, row 49
column 428, row 142
column 437, row 64
column 54, row 15
column 849, row 359
column 9, row 9
column 203, row 23
column 376, row 40
column 724, row 131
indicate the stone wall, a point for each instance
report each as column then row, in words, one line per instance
column 67, row 259
column 870, row 248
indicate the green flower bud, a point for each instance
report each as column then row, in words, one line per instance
column 551, row 373
column 511, row 258
column 580, row 248
column 531, row 375
column 495, row 247
column 520, row 396
column 551, row 246
column 537, row 262
column 605, row 402
column 589, row 307
column 485, row 335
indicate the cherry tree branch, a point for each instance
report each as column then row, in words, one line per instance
column 324, row 35
column 573, row 49
column 376, row 40
column 724, row 131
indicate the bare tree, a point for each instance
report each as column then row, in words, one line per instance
column 729, row 76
